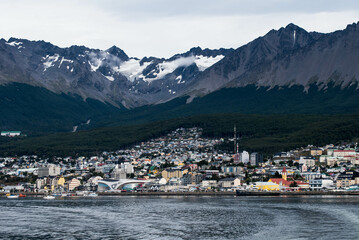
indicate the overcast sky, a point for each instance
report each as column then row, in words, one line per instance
column 163, row 28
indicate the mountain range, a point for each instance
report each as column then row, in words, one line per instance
column 45, row 88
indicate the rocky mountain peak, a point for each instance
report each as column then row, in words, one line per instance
column 118, row 53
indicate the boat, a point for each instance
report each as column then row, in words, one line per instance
column 49, row 197
column 22, row 195
column 256, row 193
column 12, row 196
column 92, row 194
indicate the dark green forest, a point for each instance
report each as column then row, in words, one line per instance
column 263, row 133
column 268, row 120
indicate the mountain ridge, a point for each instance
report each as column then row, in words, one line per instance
column 271, row 74
column 263, row 63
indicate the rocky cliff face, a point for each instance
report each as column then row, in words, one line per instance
column 109, row 76
column 287, row 57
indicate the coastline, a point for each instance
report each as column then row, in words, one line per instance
column 315, row 193
column 311, row 193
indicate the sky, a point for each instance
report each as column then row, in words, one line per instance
column 162, row 28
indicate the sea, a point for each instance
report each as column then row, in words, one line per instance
column 182, row 217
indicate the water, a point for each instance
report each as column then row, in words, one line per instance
column 310, row 217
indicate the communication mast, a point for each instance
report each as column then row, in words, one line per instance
column 235, row 140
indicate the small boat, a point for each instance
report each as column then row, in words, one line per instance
column 22, row 195
column 49, row 197
column 92, row 194
column 12, row 196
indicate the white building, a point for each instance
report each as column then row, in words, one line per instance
column 128, row 168
column 307, row 161
column 321, row 183
column 10, row 133
column 21, row 171
column 343, row 153
column 209, row 183
column 244, row 157
column 50, row 170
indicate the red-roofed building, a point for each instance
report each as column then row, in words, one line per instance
column 342, row 153
column 284, row 183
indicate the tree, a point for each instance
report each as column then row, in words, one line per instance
column 293, row 184
column 202, row 162
column 277, row 175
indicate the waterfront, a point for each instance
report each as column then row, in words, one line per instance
column 181, row 217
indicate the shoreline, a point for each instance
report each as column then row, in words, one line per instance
column 312, row 193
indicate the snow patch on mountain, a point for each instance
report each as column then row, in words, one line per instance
column 110, row 78
column 65, row 60
column 14, row 44
column 95, row 61
column 167, row 67
column 49, row 61
column 132, row 69
column 204, row 62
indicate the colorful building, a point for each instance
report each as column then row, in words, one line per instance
column 266, row 186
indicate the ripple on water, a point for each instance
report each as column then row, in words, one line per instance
column 180, row 218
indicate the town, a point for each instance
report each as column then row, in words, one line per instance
column 183, row 161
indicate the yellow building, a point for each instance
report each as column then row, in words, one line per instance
column 173, row 173
column 266, row 186
column 61, row 181
column 316, row 152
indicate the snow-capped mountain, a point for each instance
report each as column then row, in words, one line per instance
column 106, row 75
column 289, row 66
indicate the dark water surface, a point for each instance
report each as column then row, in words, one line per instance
column 310, row 217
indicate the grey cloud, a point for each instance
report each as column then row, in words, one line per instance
column 140, row 9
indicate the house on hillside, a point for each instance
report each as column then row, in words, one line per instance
column 10, row 133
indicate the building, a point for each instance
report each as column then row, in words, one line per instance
column 316, row 152
column 244, row 157
column 127, row 167
column 255, row 159
column 330, row 160
column 237, row 158
column 343, row 153
column 310, row 162
column 284, row 183
column 229, row 182
column 173, row 173
column 209, row 184
column 74, row 183
column 311, row 175
column 321, row 183
column 10, row 133
column 232, row 170
column 191, row 178
column 50, row 170
column 266, row 186
column 118, row 173
column 61, row 181
column 347, row 179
